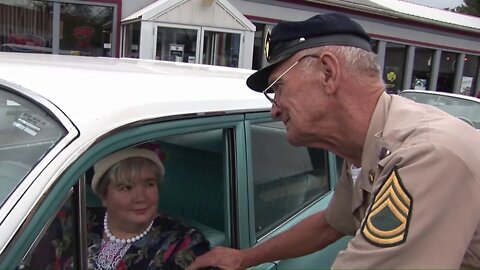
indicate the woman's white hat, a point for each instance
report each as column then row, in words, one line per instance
column 102, row 166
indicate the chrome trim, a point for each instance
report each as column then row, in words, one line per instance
column 81, row 233
column 71, row 133
column 233, row 233
column 165, row 119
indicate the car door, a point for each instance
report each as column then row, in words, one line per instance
column 201, row 180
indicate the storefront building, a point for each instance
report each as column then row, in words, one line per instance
column 208, row 32
column 418, row 47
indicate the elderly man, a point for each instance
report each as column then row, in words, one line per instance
column 416, row 202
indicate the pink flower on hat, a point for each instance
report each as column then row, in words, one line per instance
column 155, row 148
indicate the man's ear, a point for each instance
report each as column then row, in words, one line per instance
column 331, row 69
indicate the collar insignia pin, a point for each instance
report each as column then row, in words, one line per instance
column 384, row 152
column 371, row 176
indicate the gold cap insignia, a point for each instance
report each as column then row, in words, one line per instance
column 266, row 46
column 387, row 221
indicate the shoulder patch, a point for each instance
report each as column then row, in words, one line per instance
column 386, row 224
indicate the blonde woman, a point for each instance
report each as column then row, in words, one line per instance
column 130, row 233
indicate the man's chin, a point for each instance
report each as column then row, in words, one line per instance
column 293, row 140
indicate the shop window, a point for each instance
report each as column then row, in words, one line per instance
column 286, row 178
column 394, row 66
column 176, row 44
column 26, row 26
column 221, row 49
column 469, row 76
column 131, row 40
column 86, row 30
column 422, row 68
column 446, row 76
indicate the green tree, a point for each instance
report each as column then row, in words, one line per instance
column 469, row 7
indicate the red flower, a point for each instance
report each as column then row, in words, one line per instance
column 184, row 244
column 171, row 248
column 155, row 148
column 121, row 266
column 168, row 252
column 57, row 265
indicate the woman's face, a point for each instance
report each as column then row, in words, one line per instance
column 131, row 207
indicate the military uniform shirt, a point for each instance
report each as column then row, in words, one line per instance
column 416, row 203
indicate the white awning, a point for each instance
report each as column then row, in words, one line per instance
column 212, row 13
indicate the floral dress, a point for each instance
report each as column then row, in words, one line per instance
column 168, row 245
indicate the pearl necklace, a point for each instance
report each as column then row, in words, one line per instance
column 130, row 240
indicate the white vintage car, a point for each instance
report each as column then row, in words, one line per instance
column 464, row 107
column 229, row 169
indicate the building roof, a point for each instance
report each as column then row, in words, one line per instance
column 436, row 15
column 410, row 11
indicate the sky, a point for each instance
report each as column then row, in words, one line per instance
column 441, row 4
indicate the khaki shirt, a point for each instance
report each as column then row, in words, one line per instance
column 416, row 203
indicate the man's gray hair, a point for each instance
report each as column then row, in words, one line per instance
column 356, row 60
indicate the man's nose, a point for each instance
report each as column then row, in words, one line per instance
column 276, row 112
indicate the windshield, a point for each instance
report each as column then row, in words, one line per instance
column 465, row 109
column 28, row 132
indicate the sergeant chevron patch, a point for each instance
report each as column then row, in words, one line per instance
column 387, row 222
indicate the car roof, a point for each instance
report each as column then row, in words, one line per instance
column 109, row 91
column 441, row 94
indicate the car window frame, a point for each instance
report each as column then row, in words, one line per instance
column 114, row 140
column 71, row 132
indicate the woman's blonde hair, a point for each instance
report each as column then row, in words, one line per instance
column 125, row 170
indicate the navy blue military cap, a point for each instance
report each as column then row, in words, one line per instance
column 287, row 38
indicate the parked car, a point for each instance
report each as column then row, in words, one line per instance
column 464, row 107
column 229, row 169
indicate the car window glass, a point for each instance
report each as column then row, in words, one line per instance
column 56, row 244
column 28, row 133
column 286, row 178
